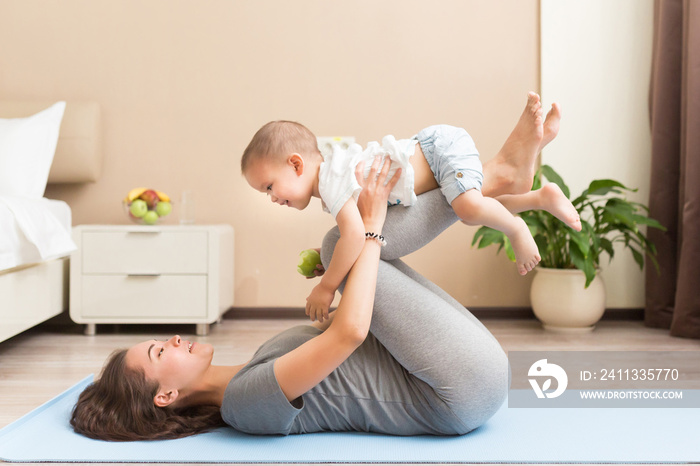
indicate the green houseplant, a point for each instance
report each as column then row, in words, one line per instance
column 607, row 218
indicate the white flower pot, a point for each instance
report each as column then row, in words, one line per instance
column 560, row 301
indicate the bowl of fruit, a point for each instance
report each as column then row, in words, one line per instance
column 146, row 206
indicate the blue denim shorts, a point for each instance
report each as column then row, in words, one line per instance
column 453, row 158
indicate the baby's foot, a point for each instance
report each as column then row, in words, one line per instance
column 551, row 125
column 527, row 256
column 553, row 200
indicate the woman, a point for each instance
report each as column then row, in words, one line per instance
column 410, row 361
column 427, row 367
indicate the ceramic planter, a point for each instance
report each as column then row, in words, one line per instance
column 560, row 301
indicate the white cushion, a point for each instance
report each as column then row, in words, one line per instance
column 27, row 147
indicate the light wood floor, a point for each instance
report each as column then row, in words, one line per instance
column 41, row 363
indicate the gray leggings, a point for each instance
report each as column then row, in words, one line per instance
column 426, row 330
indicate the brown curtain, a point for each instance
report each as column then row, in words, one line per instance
column 673, row 296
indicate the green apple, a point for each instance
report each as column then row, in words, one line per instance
column 151, row 217
column 138, row 208
column 163, row 208
column 308, row 259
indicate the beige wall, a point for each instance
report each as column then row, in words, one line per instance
column 183, row 85
column 596, row 60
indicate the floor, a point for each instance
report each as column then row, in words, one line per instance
column 41, row 363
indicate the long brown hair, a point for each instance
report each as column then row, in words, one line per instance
column 119, row 406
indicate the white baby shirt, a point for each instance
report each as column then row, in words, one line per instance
column 337, row 181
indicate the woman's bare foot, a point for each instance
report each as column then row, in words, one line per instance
column 553, row 200
column 524, row 141
column 551, row 125
column 527, row 256
column 512, row 169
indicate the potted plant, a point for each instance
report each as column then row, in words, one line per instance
column 565, row 294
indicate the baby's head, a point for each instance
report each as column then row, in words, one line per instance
column 280, row 160
column 277, row 140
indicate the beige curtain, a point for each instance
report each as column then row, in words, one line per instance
column 673, row 297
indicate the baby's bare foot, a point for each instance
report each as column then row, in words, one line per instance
column 553, row 200
column 527, row 256
column 551, row 125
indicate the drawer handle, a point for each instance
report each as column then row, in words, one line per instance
column 143, row 275
column 142, row 232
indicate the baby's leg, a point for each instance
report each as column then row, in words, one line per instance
column 549, row 198
column 475, row 209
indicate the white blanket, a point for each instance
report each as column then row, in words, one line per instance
column 33, row 230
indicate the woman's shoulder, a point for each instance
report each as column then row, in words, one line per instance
column 254, row 389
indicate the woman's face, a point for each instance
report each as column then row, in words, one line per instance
column 176, row 364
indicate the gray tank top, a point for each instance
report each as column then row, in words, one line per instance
column 369, row 392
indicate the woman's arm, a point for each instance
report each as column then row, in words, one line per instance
column 304, row 367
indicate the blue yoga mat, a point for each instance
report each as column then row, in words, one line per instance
column 511, row 436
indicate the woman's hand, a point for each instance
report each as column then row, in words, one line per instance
column 372, row 201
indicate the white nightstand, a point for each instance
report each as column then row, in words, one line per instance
column 151, row 274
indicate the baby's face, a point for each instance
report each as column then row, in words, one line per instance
column 284, row 182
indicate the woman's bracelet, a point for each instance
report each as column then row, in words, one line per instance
column 378, row 238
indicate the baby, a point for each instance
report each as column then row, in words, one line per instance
column 283, row 160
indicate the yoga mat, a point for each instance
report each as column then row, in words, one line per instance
column 511, row 436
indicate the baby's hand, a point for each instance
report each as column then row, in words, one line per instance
column 318, row 302
column 310, row 264
column 317, row 272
